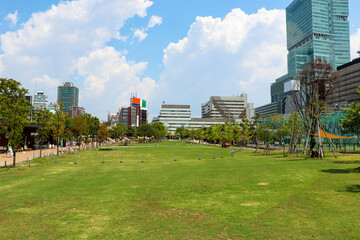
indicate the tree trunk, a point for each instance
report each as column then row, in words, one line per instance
column 14, row 158
column 57, row 147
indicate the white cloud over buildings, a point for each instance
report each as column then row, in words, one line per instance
column 52, row 44
column 240, row 53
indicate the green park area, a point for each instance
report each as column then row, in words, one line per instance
column 151, row 196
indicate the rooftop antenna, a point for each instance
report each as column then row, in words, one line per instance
column 358, row 52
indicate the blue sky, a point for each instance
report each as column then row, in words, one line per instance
column 180, row 52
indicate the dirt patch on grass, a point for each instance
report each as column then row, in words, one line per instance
column 250, row 204
column 263, row 184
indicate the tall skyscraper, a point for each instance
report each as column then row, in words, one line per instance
column 317, row 29
column 68, row 94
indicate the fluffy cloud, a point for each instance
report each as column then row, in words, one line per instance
column 140, row 34
column 108, row 73
column 50, row 44
column 46, row 81
column 355, row 44
column 154, row 20
column 240, row 53
column 12, row 17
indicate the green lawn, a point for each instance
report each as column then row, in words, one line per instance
column 248, row 196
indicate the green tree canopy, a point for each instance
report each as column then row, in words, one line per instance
column 14, row 111
column 351, row 122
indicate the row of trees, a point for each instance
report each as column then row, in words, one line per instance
column 272, row 129
column 15, row 113
column 153, row 130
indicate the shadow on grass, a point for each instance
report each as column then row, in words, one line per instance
column 346, row 162
column 353, row 188
column 348, row 170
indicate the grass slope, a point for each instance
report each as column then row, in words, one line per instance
column 248, row 196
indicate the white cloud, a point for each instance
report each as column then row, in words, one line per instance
column 240, row 53
column 108, row 73
column 355, row 44
column 46, row 81
column 140, row 34
column 12, row 17
column 51, row 42
column 154, row 20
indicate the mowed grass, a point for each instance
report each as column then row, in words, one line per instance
column 248, row 196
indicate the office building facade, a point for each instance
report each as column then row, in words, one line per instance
column 315, row 29
column 346, row 85
column 40, row 100
column 174, row 116
column 68, row 95
column 76, row 111
column 135, row 114
column 225, row 107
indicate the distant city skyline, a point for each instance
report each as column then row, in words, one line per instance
column 178, row 52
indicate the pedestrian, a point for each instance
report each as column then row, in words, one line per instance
column 11, row 153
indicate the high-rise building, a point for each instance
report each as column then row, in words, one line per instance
column 68, row 95
column 225, row 107
column 317, row 29
column 40, row 100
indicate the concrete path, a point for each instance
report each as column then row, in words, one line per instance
column 24, row 156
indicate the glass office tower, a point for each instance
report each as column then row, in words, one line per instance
column 68, row 95
column 317, row 29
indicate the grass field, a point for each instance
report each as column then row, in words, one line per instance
column 248, row 196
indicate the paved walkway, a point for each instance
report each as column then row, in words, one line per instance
column 24, row 156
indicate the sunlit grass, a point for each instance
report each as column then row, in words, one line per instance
column 248, row 196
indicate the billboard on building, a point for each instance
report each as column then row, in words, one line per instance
column 136, row 101
column 291, row 86
column 143, row 104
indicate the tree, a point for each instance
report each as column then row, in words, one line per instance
column 117, row 131
column 199, row 134
column 295, row 126
column 159, row 130
column 253, row 129
column 351, row 122
column 93, row 126
column 243, row 132
column 145, row 130
column 180, row 132
column 58, row 126
column 265, row 133
column 103, row 132
column 130, row 131
column 281, row 130
column 14, row 111
column 42, row 118
column 315, row 82
column 226, row 132
column 80, row 128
